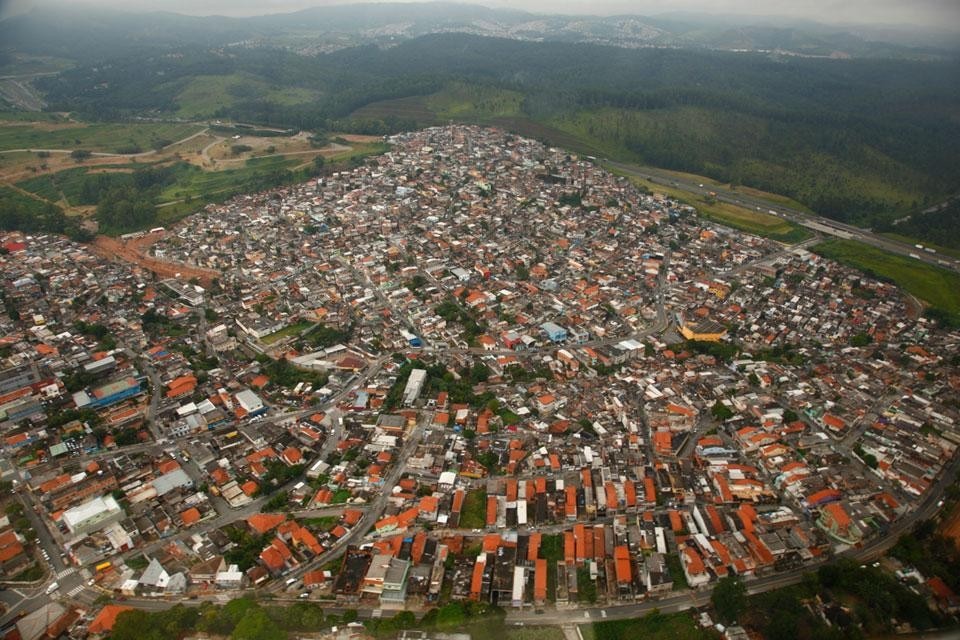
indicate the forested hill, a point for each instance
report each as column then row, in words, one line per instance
column 860, row 140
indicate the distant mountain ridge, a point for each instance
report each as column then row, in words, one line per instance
column 87, row 34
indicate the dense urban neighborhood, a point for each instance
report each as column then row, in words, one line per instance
column 474, row 369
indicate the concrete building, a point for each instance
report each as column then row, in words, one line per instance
column 414, row 386
column 92, row 515
column 251, row 403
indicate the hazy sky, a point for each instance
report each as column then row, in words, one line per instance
column 939, row 13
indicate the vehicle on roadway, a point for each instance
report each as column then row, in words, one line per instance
column 53, row 587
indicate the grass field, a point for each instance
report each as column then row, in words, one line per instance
column 534, row 633
column 938, row 247
column 65, row 187
column 107, row 138
column 24, row 201
column 413, row 108
column 196, row 183
column 937, row 287
column 463, row 101
column 473, row 515
column 653, row 626
column 205, row 95
column 286, row 332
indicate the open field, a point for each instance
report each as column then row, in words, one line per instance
column 206, row 95
column 474, row 102
column 413, row 108
column 194, row 187
column 29, row 202
column 108, row 138
column 534, row 633
column 222, row 151
column 473, row 515
column 194, row 182
column 937, row 287
column 292, row 330
column 938, row 247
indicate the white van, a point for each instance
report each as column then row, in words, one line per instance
column 53, row 587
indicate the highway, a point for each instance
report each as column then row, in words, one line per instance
column 812, row 221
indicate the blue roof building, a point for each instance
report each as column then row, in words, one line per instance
column 554, row 332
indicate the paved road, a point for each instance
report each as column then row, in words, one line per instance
column 810, row 220
column 374, row 509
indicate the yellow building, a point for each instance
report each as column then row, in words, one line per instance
column 706, row 331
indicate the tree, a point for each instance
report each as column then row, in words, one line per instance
column 257, row 625
column 720, row 411
column 729, row 599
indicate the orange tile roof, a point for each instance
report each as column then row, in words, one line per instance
column 491, row 542
column 621, row 556
column 491, row 510
column 190, row 516
column 569, row 547
column 311, row 578
column 263, row 522
column 54, row 483
column 220, row 476
column 694, row 561
column 10, row 551
column 476, row 580
column 167, row 466
column 838, row 514
column 540, row 579
column 107, row 617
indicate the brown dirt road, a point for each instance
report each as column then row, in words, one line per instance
column 135, row 252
